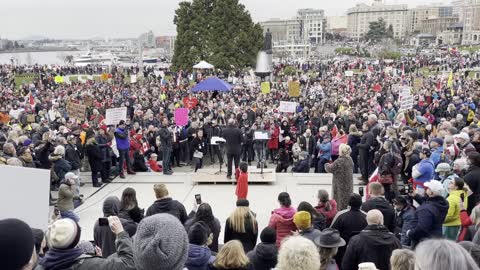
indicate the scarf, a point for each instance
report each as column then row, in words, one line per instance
column 57, row 259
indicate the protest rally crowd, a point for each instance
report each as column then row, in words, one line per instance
column 410, row 128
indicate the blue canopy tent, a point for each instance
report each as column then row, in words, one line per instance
column 212, row 84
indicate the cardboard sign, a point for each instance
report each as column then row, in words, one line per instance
column 349, row 73
column 58, row 79
column 294, row 88
column 417, row 83
column 406, row 99
column 181, row 117
column 287, row 106
column 265, row 87
column 114, row 116
column 133, row 78
column 76, row 111
column 88, row 101
column 190, row 103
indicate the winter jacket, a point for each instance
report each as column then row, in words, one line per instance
column 60, row 166
column 472, row 179
column 405, row 223
column 215, row 228
column 374, row 244
column 72, row 155
column 234, row 138
column 264, row 256
column 199, row 257
column 381, row 204
column 328, row 214
column 166, row 138
column 273, row 141
column 436, row 155
column 453, row 214
column 121, row 138
column 423, row 172
column 135, row 214
column 65, row 198
column 342, row 181
column 242, row 186
column 103, row 142
column 169, row 206
column 282, row 221
column 310, row 233
column 248, row 238
column 428, row 219
column 302, row 166
column 122, row 261
column 94, row 154
column 325, row 151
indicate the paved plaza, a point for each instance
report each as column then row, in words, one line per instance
column 221, row 196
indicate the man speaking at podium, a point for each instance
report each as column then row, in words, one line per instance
column 233, row 136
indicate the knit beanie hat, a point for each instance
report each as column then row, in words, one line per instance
column 198, row 234
column 16, row 244
column 268, row 235
column 243, row 203
column 64, row 234
column 302, row 219
column 87, row 247
column 161, row 243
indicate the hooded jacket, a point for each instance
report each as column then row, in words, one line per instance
column 199, row 257
column 381, row 204
column 121, row 138
column 169, row 206
column 264, row 256
column 60, row 165
column 103, row 235
column 282, row 221
column 374, row 244
column 428, row 219
column 453, row 214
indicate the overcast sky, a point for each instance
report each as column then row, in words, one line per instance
column 122, row 18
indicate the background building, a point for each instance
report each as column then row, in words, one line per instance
column 312, row 25
column 337, row 24
column 360, row 16
column 452, row 36
column 471, row 20
column 419, row 14
column 436, row 25
column 166, row 43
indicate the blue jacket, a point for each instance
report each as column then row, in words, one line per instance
column 121, row 138
column 302, row 167
column 426, row 170
column 325, row 150
column 436, row 155
column 405, row 221
column 199, row 257
column 428, row 219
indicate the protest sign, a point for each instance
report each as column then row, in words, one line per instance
column 104, row 77
column 417, row 83
column 114, row 116
column 294, row 88
column 88, row 101
column 181, row 117
column 190, row 103
column 348, row 73
column 287, row 106
column 58, row 79
column 406, row 99
column 133, row 78
column 76, row 111
column 265, row 86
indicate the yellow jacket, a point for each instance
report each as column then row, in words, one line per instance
column 453, row 214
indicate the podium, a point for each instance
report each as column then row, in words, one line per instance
column 220, row 142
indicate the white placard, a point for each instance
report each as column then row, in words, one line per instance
column 349, row 73
column 216, row 140
column 133, row 78
column 259, row 135
column 406, row 99
column 114, row 116
column 287, row 106
column 15, row 113
column 24, row 194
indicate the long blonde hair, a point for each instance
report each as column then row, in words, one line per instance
column 326, row 254
column 231, row 256
column 241, row 215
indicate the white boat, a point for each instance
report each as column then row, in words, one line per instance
column 90, row 58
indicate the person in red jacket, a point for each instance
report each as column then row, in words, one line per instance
column 242, row 182
column 152, row 162
column 326, row 206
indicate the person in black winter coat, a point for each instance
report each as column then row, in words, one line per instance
column 302, row 166
column 60, row 165
column 319, row 221
column 233, row 145
column 472, row 179
column 365, row 150
column 204, row 214
column 199, row 145
column 72, row 154
column 264, row 255
column 354, row 138
column 373, row 244
column 377, row 201
column 430, row 215
column 165, row 204
column 242, row 225
column 103, row 139
column 349, row 223
column 95, row 158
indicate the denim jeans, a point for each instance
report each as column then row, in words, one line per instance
column 166, row 159
column 71, row 215
column 123, row 156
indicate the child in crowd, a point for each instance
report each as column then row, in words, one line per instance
column 242, row 182
column 152, row 162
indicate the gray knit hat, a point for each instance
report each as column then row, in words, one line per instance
column 161, row 243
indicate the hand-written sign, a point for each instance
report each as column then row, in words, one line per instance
column 181, row 117
column 417, row 83
column 287, row 106
column 406, row 99
column 76, row 111
column 114, row 116
column 294, row 88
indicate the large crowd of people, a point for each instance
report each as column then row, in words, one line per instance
column 419, row 161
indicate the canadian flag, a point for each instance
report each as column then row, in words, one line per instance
column 439, row 84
